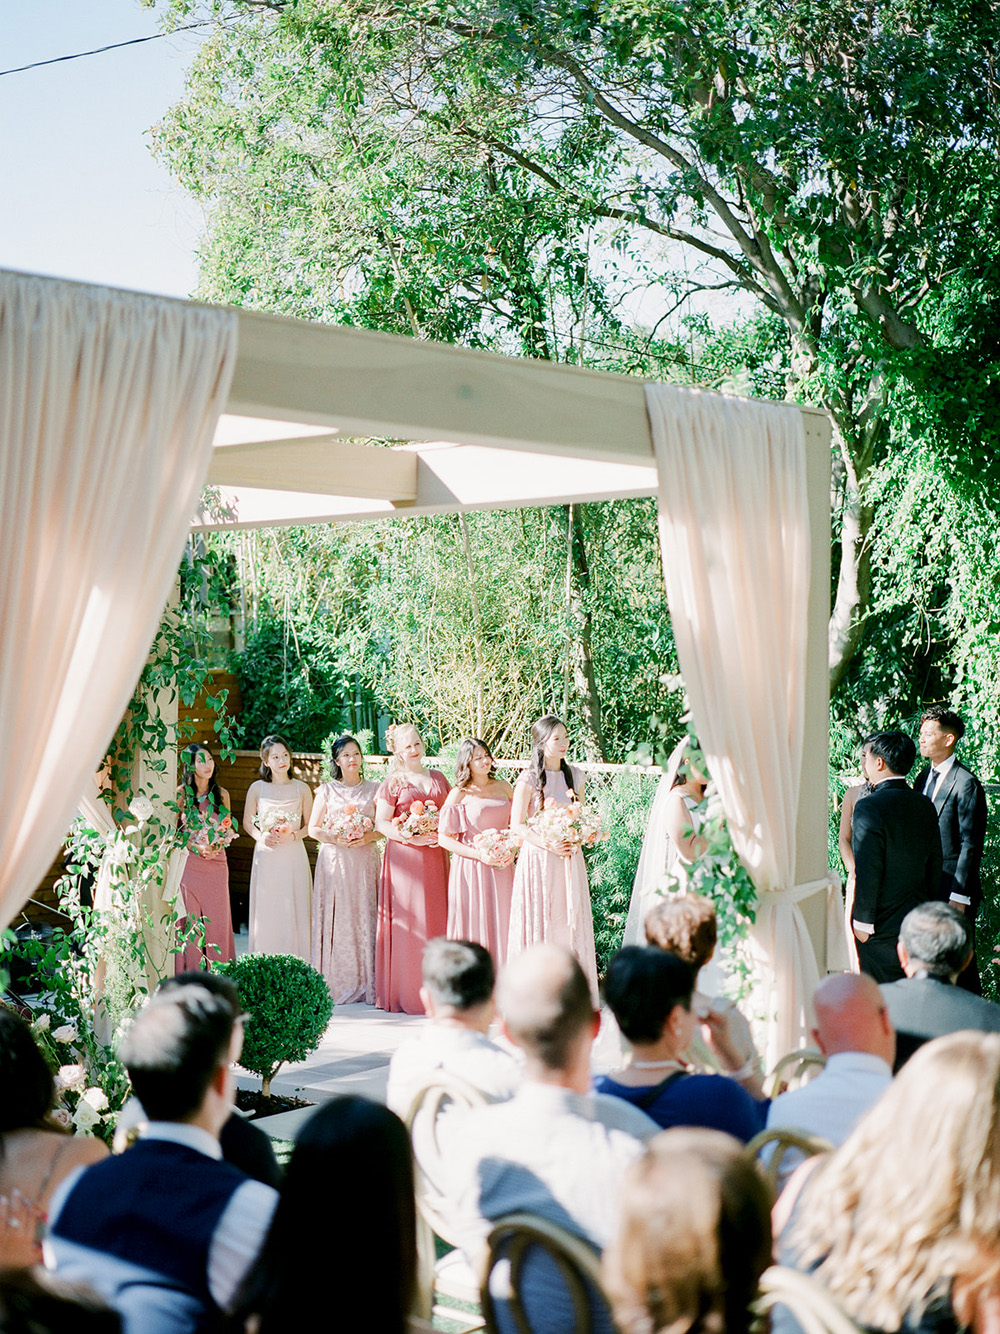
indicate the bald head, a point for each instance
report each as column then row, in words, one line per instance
column 851, row 1016
column 546, row 1004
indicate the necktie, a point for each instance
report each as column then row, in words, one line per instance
column 931, row 784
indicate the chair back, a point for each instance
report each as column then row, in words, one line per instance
column 805, row 1299
column 424, row 1120
column 784, row 1138
column 513, row 1240
column 791, row 1069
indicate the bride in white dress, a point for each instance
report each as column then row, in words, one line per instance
column 671, row 842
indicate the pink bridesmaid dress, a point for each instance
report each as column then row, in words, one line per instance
column 205, row 893
column 478, row 895
column 412, row 903
column 551, row 900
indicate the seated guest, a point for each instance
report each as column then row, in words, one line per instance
column 243, row 1144
column 649, row 993
column 685, row 925
column 854, row 1034
column 935, row 947
column 900, row 1222
column 166, row 1231
column 554, row 1149
column 357, row 1258
column 457, row 995
column 694, row 1238
column 34, row 1155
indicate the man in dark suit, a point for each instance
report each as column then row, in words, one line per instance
column 935, row 943
column 897, row 853
column 960, row 803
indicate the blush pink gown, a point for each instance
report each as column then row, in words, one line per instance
column 551, row 900
column 412, row 903
column 478, row 895
column 345, row 903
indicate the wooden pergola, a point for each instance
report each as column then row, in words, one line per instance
column 476, row 431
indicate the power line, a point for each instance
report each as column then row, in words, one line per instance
column 115, row 46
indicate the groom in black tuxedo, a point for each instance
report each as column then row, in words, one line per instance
column 897, row 853
column 960, row 803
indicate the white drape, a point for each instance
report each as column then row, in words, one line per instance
column 108, row 404
column 734, row 538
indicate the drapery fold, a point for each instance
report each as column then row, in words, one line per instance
column 734, row 539
column 108, row 405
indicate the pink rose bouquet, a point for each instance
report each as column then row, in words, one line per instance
column 421, row 818
column 348, row 822
column 574, row 824
column 500, row 845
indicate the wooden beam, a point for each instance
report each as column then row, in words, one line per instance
column 318, row 463
column 366, row 383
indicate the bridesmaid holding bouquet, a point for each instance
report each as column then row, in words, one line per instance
column 474, row 828
column 206, row 821
column 551, row 893
column 345, row 893
column 276, row 816
column 413, row 891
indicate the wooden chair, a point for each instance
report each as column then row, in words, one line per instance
column 449, row 1278
column 784, row 1138
column 805, row 1299
column 511, row 1240
column 789, row 1071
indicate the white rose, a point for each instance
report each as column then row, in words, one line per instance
column 96, row 1098
column 141, row 807
column 61, row 1117
column 71, row 1077
column 85, row 1118
column 65, row 1033
column 42, row 1022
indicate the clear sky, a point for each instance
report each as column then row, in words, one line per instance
column 80, row 194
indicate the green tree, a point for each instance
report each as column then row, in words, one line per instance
column 469, row 170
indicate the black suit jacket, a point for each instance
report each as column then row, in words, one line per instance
column 925, row 1007
column 897, row 856
column 961, row 809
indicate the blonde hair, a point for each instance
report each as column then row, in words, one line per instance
column 394, row 778
column 910, row 1201
column 694, row 1237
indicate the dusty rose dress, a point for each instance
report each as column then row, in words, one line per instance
column 412, row 903
column 205, row 893
column 478, row 895
column 551, row 901
column 345, row 903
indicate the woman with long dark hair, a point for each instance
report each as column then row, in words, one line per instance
column 551, row 899
column 207, row 822
column 480, row 882
column 345, row 890
column 358, row 1259
column 276, row 816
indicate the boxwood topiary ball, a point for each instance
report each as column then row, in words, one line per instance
column 289, row 1005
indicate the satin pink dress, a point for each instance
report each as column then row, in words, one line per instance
column 205, row 893
column 412, row 903
column 551, row 901
column 479, row 896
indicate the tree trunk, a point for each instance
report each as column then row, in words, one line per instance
column 579, row 650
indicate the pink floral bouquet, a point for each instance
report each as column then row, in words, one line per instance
column 348, row 822
column 421, row 818
column 574, row 824
column 214, row 834
column 272, row 822
column 500, row 845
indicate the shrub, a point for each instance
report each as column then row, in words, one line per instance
column 289, row 1006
